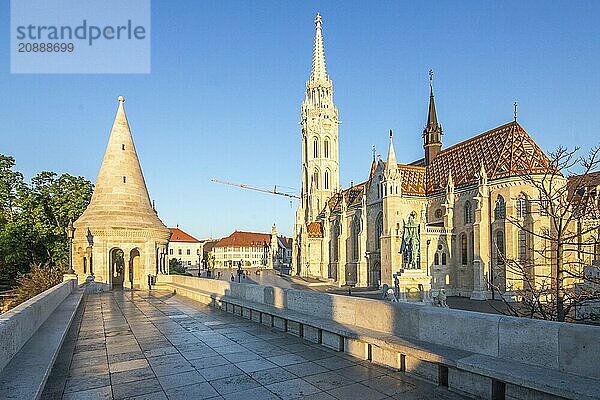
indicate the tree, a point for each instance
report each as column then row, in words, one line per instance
column 33, row 218
column 176, row 268
column 556, row 249
column 40, row 278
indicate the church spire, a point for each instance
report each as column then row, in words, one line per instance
column 392, row 164
column 319, row 72
column 432, row 134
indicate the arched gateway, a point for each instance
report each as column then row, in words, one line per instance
column 120, row 231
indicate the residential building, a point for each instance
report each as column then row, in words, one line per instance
column 185, row 248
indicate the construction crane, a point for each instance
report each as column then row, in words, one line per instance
column 244, row 186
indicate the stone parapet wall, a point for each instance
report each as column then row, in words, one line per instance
column 19, row 324
column 557, row 346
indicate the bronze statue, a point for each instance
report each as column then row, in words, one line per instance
column 410, row 243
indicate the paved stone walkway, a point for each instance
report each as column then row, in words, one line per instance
column 136, row 345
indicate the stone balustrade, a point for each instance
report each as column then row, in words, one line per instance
column 31, row 335
column 485, row 355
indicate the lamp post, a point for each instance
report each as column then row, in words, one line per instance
column 70, row 235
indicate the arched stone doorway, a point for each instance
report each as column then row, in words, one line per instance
column 117, row 267
column 375, row 275
column 134, row 266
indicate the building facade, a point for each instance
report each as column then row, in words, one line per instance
column 440, row 222
column 253, row 250
column 119, row 238
column 185, row 248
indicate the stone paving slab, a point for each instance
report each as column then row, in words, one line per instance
column 156, row 346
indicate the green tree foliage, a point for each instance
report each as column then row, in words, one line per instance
column 33, row 218
column 40, row 278
column 176, row 268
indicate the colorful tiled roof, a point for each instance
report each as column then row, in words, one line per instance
column 352, row 195
column 245, row 239
column 505, row 151
column 315, row 230
column 413, row 179
column 177, row 235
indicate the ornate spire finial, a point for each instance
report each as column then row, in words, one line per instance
column 431, row 81
column 391, row 134
column 374, row 152
column 121, row 99
column 319, row 72
column 516, row 105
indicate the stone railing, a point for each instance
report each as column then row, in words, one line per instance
column 484, row 355
column 19, row 324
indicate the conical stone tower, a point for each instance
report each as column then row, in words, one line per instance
column 119, row 238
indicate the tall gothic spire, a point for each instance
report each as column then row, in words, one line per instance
column 432, row 134
column 319, row 72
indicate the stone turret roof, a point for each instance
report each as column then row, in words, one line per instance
column 120, row 198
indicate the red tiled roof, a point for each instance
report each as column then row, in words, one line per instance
column 177, row 235
column 209, row 245
column 246, row 239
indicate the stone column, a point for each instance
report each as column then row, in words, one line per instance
column 127, row 270
column 481, row 250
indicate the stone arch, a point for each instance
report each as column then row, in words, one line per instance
column 116, row 258
column 134, row 267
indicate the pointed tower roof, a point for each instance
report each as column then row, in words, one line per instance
column 319, row 72
column 432, row 120
column 391, row 160
column 120, row 198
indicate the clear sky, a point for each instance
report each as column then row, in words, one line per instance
column 223, row 99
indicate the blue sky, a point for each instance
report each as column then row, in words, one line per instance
column 223, row 99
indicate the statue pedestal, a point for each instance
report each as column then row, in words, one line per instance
column 410, row 279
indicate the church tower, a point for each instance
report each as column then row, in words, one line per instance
column 319, row 120
column 392, row 198
column 432, row 134
column 119, row 237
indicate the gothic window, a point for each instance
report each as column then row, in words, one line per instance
column 316, row 179
column 436, row 259
column 326, row 179
column 500, row 248
column 500, row 210
column 444, row 259
column 472, row 246
column 468, row 212
column 522, row 207
column 315, row 148
column 522, row 245
column 326, row 148
column 355, row 238
column 378, row 230
column 463, row 249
